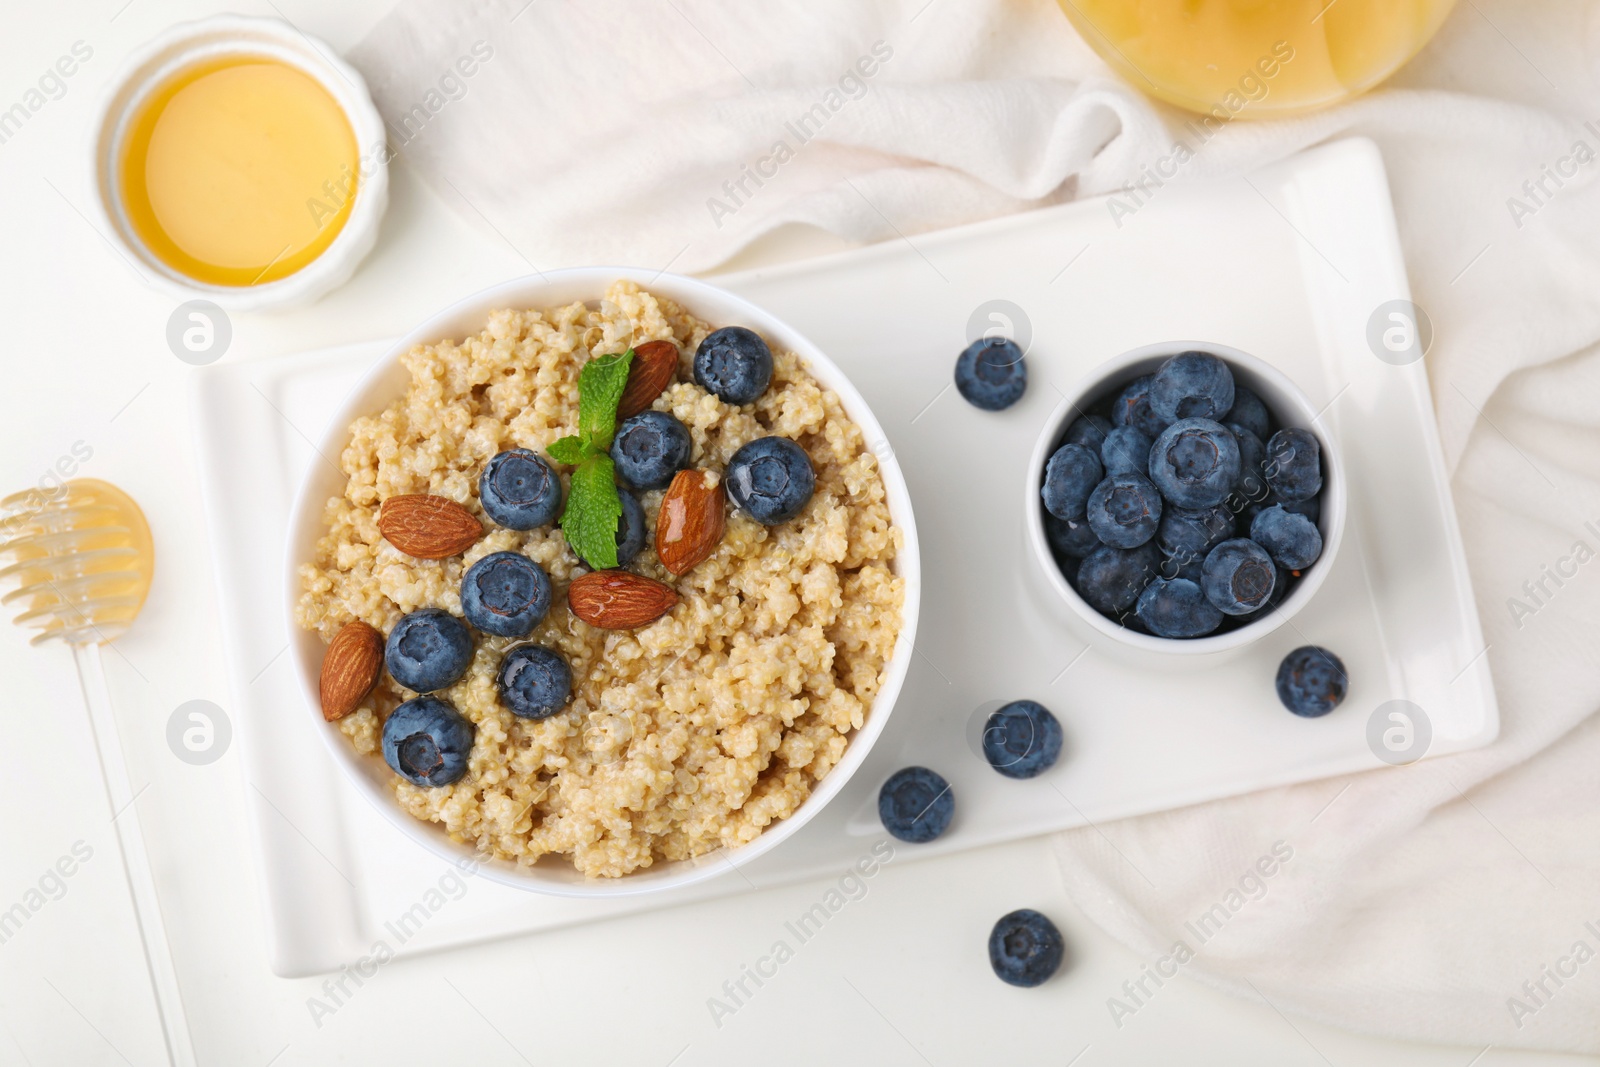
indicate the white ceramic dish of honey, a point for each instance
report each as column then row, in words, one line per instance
column 181, row 47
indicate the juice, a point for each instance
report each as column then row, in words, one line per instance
column 239, row 171
column 1210, row 54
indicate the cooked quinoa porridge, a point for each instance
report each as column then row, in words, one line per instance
column 690, row 733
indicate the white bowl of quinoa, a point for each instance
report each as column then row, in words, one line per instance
column 706, row 736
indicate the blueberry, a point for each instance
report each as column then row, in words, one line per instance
column 428, row 650
column 1025, row 948
column 991, row 373
column 534, row 682
column 1312, row 681
column 771, row 479
column 1311, row 507
column 1187, row 535
column 916, row 805
column 1294, row 464
column 1195, row 463
column 427, row 742
column 1089, row 431
column 1248, row 411
column 1022, row 739
column 1190, row 567
column 1126, row 451
column 630, row 528
column 1125, row 510
column 1192, row 385
column 649, row 449
column 1252, row 483
column 1293, row 541
column 1074, row 538
column 1280, row 588
column 1111, row 579
column 1132, row 408
column 519, row 491
column 1238, row 576
column 1069, row 478
column 1175, row 607
column 506, row 594
column 735, row 363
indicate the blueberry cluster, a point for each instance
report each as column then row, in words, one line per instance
column 426, row 740
column 1178, row 507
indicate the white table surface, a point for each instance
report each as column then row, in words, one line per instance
column 898, row 977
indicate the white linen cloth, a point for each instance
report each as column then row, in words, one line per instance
column 1418, row 900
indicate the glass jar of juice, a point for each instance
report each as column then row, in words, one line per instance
column 1256, row 58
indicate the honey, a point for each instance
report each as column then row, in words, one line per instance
column 239, row 171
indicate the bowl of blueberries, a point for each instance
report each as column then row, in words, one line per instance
column 1184, row 500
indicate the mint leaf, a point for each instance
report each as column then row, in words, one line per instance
column 600, row 387
column 568, row 450
column 593, row 511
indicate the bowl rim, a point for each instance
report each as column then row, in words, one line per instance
column 387, row 374
column 1306, row 416
column 184, row 44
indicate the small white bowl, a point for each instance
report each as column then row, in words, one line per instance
column 1289, row 407
column 150, row 67
column 388, row 379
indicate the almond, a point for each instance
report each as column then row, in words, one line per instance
column 619, row 600
column 689, row 526
column 428, row 527
column 652, row 370
column 350, row 669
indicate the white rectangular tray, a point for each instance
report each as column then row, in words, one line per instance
column 1288, row 264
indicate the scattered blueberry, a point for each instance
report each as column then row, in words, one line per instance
column 1126, row 451
column 1022, row 739
column 428, row 650
column 1132, row 408
column 1248, row 411
column 1187, row 535
column 1238, row 577
column 991, row 373
column 1195, row 463
column 771, row 479
column 1025, row 948
column 506, row 594
column 1192, row 385
column 1089, row 431
column 427, row 742
column 534, row 682
column 735, row 363
column 1069, row 478
column 1175, row 607
column 1312, row 681
column 1252, row 483
column 1073, row 538
column 1293, row 541
column 630, row 528
column 519, row 491
column 1111, row 579
column 649, row 449
column 1125, row 510
column 1294, row 464
column 916, row 805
